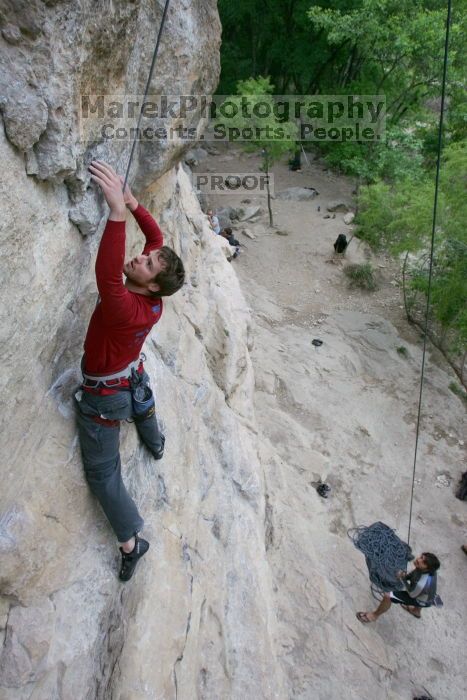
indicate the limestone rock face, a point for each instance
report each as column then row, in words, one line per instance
column 249, row 590
column 199, row 602
column 53, row 54
column 198, row 607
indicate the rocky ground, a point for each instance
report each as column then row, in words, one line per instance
column 345, row 412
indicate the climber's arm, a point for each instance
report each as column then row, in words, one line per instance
column 115, row 299
column 147, row 224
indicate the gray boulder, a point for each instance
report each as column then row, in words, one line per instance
column 297, row 193
column 338, row 205
column 227, row 215
column 250, row 212
column 249, row 234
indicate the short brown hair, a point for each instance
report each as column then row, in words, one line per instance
column 431, row 561
column 172, row 277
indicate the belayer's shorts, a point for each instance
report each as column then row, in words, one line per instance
column 403, row 598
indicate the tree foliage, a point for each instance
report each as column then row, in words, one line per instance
column 262, row 133
column 393, row 47
column 396, row 48
column 273, row 38
column 390, row 47
column 398, row 216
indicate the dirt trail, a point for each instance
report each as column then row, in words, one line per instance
column 298, row 274
column 346, row 412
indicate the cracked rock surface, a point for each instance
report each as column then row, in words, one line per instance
column 198, row 604
column 250, row 587
column 56, row 57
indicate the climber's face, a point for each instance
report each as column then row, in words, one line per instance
column 141, row 270
column 420, row 563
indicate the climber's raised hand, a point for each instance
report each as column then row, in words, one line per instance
column 109, row 182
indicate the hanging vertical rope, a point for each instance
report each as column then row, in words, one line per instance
column 148, row 83
column 430, row 273
column 384, row 552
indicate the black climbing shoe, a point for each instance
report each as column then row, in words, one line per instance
column 130, row 560
column 160, row 452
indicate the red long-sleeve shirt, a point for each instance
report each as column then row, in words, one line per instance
column 122, row 319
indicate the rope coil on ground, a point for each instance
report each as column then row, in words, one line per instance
column 385, row 555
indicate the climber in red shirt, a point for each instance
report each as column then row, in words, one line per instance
column 115, row 385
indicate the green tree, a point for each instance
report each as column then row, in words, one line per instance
column 274, row 38
column 334, row 46
column 393, row 47
column 396, row 48
column 267, row 133
column 399, row 217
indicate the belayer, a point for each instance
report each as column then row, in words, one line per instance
column 295, row 162
column 115, row 386
column 419, row 589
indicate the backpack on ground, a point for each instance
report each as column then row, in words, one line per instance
column 341, row 243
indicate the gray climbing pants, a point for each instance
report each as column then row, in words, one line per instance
column 100, row 450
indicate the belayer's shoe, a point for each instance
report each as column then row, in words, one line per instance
column 130, row 560
column 160, row 452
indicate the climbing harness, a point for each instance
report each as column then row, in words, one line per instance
column 384, row 552
column 142, row 398
column 110, row 381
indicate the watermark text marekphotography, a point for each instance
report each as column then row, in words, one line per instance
column 232, row 118
column 233, row 183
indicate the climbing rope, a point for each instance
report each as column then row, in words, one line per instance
column 385, row 553
column 148, row 83
column 432, row 246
